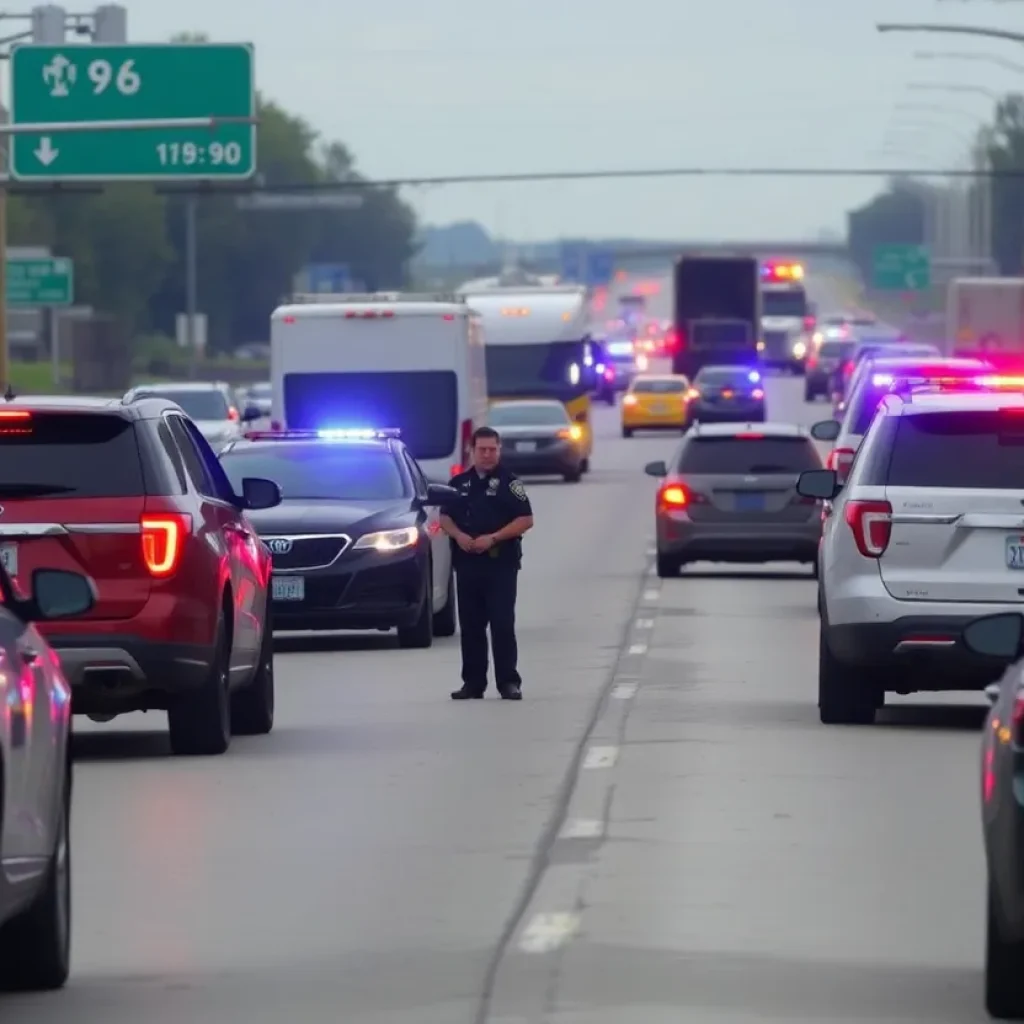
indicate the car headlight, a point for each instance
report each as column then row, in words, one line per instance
column 389, row 540
column 799, row 350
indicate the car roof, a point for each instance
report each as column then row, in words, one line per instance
column 731, row 367
column 365, row 444
column 527, row 401
column 952, row 362
column 190, row 385
column 660, row 376
column 768, row 430
column 72, row 403
column 952, row 401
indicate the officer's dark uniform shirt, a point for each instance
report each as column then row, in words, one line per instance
column 486, row 504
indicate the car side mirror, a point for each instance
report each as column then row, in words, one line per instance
column 258, row 493
column 439, row 494
column 996, row 636
column 657, row 469
column 250, row 413
column 826, row 430
column 820, row 484
column 57, row 594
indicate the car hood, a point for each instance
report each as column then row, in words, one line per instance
column 216, row 428
column 297, row 517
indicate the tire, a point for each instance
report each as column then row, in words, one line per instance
column 585, row 466
column 626, row 432
column 252, row 708
column 573, row 476
column 200, row 722
column 667, row 567
column 444, row 620
column 814, row 569
column 1004, row 981
column 35, row 946
column 843, row 696
column 421, row 633
column 809, row 395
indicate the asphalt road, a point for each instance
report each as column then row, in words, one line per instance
column 660, row 832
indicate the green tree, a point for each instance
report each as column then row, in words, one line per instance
column 894, row 217
column 1006, row 154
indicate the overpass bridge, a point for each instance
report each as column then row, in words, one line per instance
column 777, row 249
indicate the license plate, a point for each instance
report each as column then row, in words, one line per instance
column 288, row 588
column 1015, row 553
column 752, row 503
column 9, row 558
column 526, row 446
column 657, row 409
column 727, row 394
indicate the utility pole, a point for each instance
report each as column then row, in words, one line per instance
column 191, row 284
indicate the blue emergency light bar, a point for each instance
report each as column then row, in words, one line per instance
column 345, row 434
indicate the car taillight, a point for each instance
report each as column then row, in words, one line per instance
column 757, row 394
column 275, row 424
column 809, row 323
column 988, row 770
column 871, row 523
column 673, row 496
column 812, row 360
column 465, row 448
column 609, row 373
column 840, row 460
column 163, row 541
column 233, row 414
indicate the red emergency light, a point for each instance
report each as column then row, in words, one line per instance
column 782, row 271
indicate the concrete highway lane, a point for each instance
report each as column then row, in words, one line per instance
column 361, row 863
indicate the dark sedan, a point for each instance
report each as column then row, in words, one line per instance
column 823, row 363
column 355, row 542
column 1002, row 815
column 538, row 439
column 727, row 394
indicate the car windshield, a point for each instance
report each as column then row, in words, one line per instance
column 261, row 390
column 539, row 415
column 836, row 349
column 318, row 471
column 659, row 387
column 784, row 303
column 730, row 455
column 199, row 405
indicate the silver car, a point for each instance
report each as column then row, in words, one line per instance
column 926, row 534
column 35, row 774
column 874, row 379
column 211, row 405
column 729, row 495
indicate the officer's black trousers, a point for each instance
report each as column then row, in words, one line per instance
column 487, row 597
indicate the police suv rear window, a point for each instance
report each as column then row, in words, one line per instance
column 972, row 449
column 746, row 456
column 72, row 455
column 836, row 349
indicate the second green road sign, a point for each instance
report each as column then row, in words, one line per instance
column 46, row 281
column 139, row 82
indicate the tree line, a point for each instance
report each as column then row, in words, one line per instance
column 897, row 216
column 128, row 241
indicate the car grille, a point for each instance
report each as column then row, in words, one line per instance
column 307, row 552
column 776, row 342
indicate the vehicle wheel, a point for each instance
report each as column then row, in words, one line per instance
column 444, row 620
column 809, row 395
column 200, row 722
column 1004, row 982
column 573, row 476
column 814, row 569
column 421, row 633
column 844, row 698
column 35, row 946
column 626, row 432
column 666, row 566
column 585, row 466
column 252, row 708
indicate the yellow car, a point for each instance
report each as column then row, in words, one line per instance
column 656, row 402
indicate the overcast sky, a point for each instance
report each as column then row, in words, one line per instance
column 454, row 87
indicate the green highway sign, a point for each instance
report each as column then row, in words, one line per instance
column 901, row 268
column 47, row 281
column 136, row 82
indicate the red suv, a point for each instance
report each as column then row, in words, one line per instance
column 132, row 496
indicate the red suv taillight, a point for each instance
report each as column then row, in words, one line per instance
column 871, row 523
column 677, row 497
column 163, row 541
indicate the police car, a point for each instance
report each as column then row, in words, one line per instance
column 356, row 541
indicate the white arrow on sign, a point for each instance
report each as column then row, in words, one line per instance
column 45, row 152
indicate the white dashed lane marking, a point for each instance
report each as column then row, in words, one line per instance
column 548, row 932
column 601, row 757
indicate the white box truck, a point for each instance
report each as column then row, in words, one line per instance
column 985, row 317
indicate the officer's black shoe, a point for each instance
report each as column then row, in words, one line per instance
column 512, row 692
column 467, row 693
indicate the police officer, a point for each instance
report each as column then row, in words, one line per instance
column 485, row 524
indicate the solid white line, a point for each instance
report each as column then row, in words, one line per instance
column 624, row 691
column 638, row 649
column 601, row 757
column 651, row 595
column 582, row 828
column 644, row 623
column 548, row 932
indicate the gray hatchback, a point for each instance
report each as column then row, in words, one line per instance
column 729, row 495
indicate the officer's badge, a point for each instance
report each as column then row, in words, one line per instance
column 492, row 484
column 517, row 488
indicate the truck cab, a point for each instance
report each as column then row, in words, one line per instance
column 787, row 319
